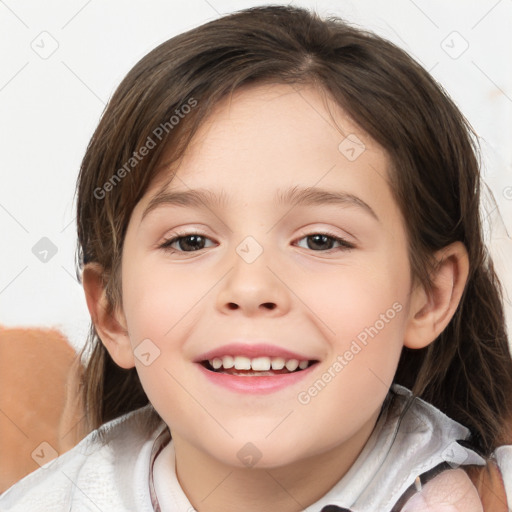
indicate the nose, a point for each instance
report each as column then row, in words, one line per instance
column 254, row 288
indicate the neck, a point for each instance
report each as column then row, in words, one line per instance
column 212, row 486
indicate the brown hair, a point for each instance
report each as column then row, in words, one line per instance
column 467, row 371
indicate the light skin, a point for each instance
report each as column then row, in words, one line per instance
column 314, row 298
column 451, row 491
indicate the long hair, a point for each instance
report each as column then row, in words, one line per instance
column 467, row 371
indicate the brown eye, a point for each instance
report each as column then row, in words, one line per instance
column 185, row 243
column 325, row 242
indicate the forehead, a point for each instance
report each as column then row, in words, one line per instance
column 269, row 137
column 277, row 122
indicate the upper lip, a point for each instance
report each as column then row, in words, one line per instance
column 251, row 350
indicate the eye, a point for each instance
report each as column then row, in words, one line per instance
column 185, row 242
column 324, row 242
column 193, row 242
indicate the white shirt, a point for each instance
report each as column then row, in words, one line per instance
column 169, row 493
column 410, row 438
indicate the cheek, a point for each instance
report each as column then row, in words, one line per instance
column 158, row 301
column 349, row 300
column 161, row 311
column 158, row 305
column 363, row 309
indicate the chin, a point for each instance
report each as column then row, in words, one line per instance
column 257, row 454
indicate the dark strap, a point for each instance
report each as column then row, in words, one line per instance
column 420, row 482
column 335, row 508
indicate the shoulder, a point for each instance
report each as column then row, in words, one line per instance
column 450, row 491
column 420, row 440
column 92, row 467
column 428, row 433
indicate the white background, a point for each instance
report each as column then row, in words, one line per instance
column 50, row 106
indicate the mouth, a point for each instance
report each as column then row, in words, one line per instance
column 261, row 366
column 255, row 368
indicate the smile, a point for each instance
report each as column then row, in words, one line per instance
column 255, row 366
column 258, row 367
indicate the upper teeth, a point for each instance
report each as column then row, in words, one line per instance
column 262, row 364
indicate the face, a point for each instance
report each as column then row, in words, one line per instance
column 258, row 272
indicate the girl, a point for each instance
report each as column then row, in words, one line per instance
column 292, row 305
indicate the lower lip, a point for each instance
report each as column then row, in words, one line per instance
column 255, row 384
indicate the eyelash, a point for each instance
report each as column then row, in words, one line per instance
column 344, row 245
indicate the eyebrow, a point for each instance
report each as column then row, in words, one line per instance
column 298, row 196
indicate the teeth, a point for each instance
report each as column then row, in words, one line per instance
column 278, row 363
column 292, row 365
column 228, row 362
column 259, row 364
column 242, row 363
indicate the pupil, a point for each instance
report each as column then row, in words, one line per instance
column 193, row 245
column 318, row 240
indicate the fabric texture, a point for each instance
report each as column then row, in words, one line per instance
column 117, row 466
column 503, row 456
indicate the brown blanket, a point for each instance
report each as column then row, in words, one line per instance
column 40, row 408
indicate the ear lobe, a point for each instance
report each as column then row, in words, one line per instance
column 110, row 325
column 431, row 311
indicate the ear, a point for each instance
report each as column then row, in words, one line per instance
column 110, row 325
column 431, row 311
